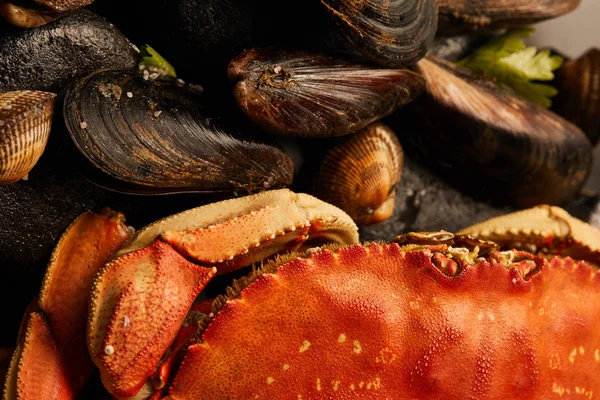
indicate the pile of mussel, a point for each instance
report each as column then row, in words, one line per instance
column 348, row 110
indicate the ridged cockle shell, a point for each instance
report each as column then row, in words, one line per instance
column 300, row 93
column 360, row 175
column 25, row 120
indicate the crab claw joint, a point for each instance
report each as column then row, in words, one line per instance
column 138, row 304
column 140, row 300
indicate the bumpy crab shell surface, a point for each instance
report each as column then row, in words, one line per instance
column 387, row 322
column 393, row 321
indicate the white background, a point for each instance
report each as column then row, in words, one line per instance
column 572, row 35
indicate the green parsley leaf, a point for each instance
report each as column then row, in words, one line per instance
column 508, row 61
column 151, row 59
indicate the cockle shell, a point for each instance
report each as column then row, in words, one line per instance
column 360, row 175
column 25, row 120
column 301, row 93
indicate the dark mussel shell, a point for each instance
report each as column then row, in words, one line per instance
column 456, row 47
column 48, row 58
column 393, row 33
column 492, row 143
column 468, row 15
column 35, row 13
column 578, row 99
column 300, row 93
column 360, row 175
column 157, row 137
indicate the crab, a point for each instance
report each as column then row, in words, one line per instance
column 504, row 309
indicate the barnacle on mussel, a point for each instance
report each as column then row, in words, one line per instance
column 465, row 15
column 301, row 93
column 25, row 120
column 490, row 142
column 578, row 99
column 360, row 175
column 35, row 13
column 48, row 58
column 393, row 33
column 156, row 137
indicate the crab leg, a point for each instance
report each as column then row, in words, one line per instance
column 37, row 370
column 140, row 300
column 234, row 233
column 82, row 250
column 543, row 228
column 381, row 322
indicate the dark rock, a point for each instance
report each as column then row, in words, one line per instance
column 49, row 57
column 425, row 203
column 34, row 213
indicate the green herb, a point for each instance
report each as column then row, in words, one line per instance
column 151, row 59
column 508, row 61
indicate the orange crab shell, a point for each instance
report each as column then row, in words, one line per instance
column 379, row 321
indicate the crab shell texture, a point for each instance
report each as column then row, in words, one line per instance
column 140, row 300
column 388, row 322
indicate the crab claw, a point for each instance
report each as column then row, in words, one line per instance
column 55, row 325
column 542, row 229
column 235, row 233
column 140, row 300
column 37, row 370
column 138, row 304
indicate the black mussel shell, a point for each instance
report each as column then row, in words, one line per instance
column 578, row 99
column 300, row 93
column 492, row 143
column 393, row 33
column 49, row 57
column 486, row 15
column 157, row 137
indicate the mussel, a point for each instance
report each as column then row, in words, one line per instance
column 468, row 15
column 147, row 136
column 393, row 33
column 491, row 143
column 578, row 99
column 300, row 93
column 360, row 175
column 25, row 120
column 34, row 13
column 456, row 47
column 50, row 57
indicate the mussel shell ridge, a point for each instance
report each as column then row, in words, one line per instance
column 486, row 140
column 578, row 99
column 299, row 93
column 393, row 33
column 468, row 15
column 157, row 137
